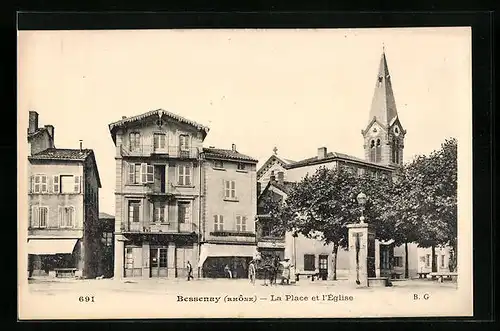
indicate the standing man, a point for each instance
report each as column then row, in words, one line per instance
column 190, row 271
column 252, row 272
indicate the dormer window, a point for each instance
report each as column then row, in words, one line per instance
column 241, row 166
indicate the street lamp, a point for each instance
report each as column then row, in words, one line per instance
column 362, row 198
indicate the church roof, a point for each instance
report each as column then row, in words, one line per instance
column 383, row 106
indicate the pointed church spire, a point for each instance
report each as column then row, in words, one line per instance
column 383, row 103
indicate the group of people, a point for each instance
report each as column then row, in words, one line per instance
column 272, row 271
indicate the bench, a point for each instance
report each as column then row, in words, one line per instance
column 65, row 272
column 423, row 274
column 441, row 275
column 312, row 274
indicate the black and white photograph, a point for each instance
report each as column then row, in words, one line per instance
column 245, row 173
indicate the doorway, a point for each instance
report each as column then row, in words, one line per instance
column 323, row 267
column 158, row 262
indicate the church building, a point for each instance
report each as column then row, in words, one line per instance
column 383, row 142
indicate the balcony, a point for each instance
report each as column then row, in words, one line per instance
column 159, row 227
column 145, row 150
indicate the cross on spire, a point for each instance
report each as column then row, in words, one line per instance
column 275, row 150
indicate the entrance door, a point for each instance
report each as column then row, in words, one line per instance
column 323, row 267
column 158, row 262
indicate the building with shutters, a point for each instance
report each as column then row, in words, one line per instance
column 383, row 144
column 63, row 207
column 177, row 201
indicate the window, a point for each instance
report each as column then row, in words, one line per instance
column 372, row 151
column 218, row 164
column 442, row 261
column 66, row 217
column 184, row 175
column 241, row 166
column 39, row 184
column 147, row 173
column 159, row 212
column 428, row 260
column 309, row 262
column 241, row 223
column 184, row 212
column 70, row 184
column 398, row 261
column 134, row 173
column 135, row 141
column 163, row 258
column 184, row 142
column 159, row 141
column 230, row 189
column 377, row 151
column 107, row 239
column 218, row 223
column 39, row 216
column 133, row 211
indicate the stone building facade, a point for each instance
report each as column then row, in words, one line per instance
column 63, row 206
column 167, row 193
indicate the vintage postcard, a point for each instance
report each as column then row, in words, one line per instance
column 254, row 173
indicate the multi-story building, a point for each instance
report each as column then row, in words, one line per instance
column 166, row 189
column 63, row 206
column 229, row 211
column 383, row 145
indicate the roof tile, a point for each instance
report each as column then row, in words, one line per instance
column 227, row 154
column 62, row 154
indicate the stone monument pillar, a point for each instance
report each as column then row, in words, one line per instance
column 361, row 253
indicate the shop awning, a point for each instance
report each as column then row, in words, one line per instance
column 51, row 246
column 221, row 250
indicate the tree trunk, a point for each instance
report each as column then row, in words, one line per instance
column 433, row 257
column 335, row 253
column 406, row 261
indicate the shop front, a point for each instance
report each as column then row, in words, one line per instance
column 226, row 260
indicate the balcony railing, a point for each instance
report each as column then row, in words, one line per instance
column 169, row 151
column 159, row 227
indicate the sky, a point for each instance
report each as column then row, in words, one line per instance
column 294, row 89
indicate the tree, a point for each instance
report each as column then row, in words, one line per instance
column 431, row 199
column 320, row 206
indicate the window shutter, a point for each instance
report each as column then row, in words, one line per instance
column 233, row 189
column 165, row 213
column 221, row 223
column 180, row 175
column 77, row 184
column 36, row 218
column 60, row 216
column 44, row 184
column 55, row 182
column 144, row 173
column 131, row 173
column 187, row 175
column 150, row 173
column 244, row 223
column 31, row 184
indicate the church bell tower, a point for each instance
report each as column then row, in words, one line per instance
column 384, row 134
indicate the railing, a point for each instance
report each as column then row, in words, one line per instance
column 168, row 151
column 271, row 238
column 159, row 227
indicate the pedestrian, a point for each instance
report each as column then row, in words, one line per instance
column 189, row 271
column 252, row 272
column 285, row 276
column 228, row 271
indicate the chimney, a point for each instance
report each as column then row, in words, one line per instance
column 33, row 121
column 233, row 147
column 50, row 129
column 281, row 177
column 321, row 153
column 81, row 144
column 272, row 178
